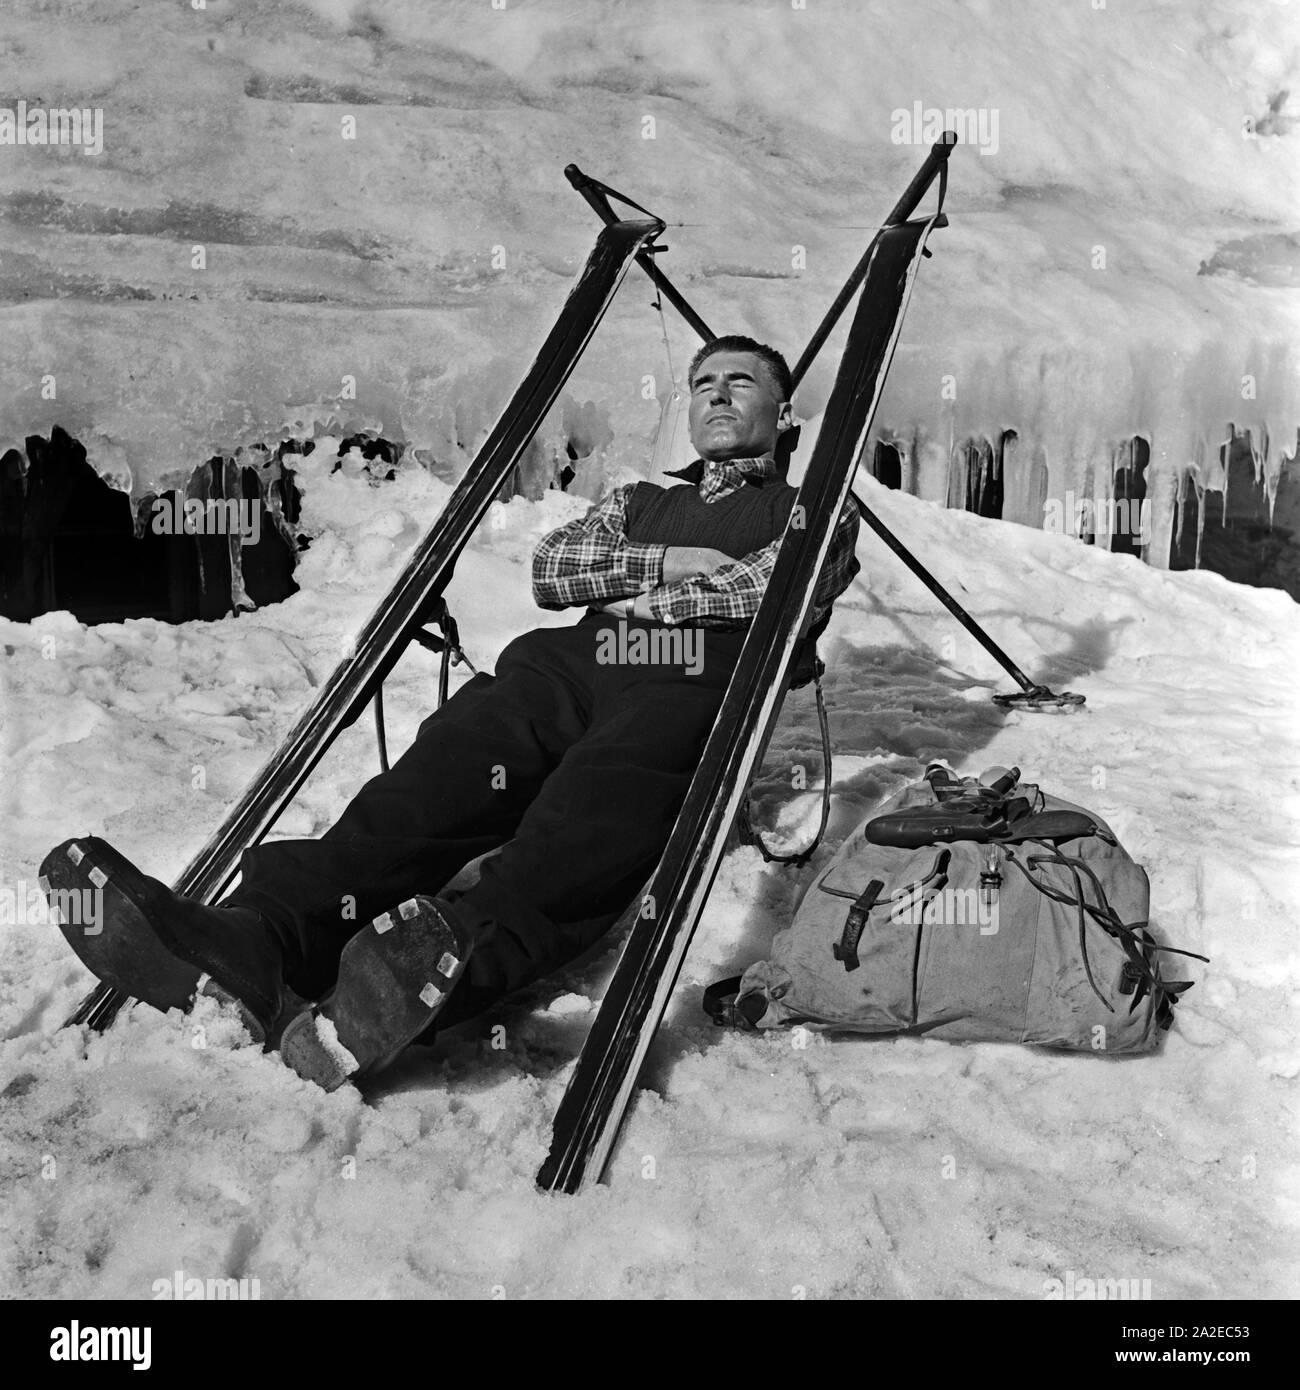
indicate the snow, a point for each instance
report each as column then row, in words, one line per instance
column 327, row 1036
column 777, row 1166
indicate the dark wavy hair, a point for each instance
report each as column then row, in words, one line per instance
column 737, row 342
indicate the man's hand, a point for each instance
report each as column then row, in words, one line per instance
column 683, row 561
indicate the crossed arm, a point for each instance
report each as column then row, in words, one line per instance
column 591, row 561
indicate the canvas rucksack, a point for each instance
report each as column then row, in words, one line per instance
column 977, row 909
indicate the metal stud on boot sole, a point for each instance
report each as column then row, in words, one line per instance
column 128, row 944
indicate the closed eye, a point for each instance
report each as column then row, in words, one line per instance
column 705, row 383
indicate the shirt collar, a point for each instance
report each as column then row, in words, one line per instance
column 758, row 471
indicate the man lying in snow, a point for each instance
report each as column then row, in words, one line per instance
column 572, row 762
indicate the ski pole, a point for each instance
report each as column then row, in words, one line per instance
column 1036, row 692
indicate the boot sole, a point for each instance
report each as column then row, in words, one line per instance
column 128, row 951
column 394, row 977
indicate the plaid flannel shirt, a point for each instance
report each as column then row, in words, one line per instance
column 591, row 561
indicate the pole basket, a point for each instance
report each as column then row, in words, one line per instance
column 1039, row 697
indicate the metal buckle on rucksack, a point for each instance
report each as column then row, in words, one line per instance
column 1130, row 976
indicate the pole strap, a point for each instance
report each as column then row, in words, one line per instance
column 583, row 181
column 447, row 644
column 745, row 826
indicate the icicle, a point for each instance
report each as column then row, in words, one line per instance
column 233, row 487
column 1200, row 519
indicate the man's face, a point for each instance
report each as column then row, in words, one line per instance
column 736, row 410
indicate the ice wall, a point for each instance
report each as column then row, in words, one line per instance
column 374, row 193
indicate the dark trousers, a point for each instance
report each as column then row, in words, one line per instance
column 573, row 766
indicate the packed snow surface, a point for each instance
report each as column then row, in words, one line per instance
column 749, row 1165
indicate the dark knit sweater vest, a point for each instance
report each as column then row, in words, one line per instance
column 743, row 521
